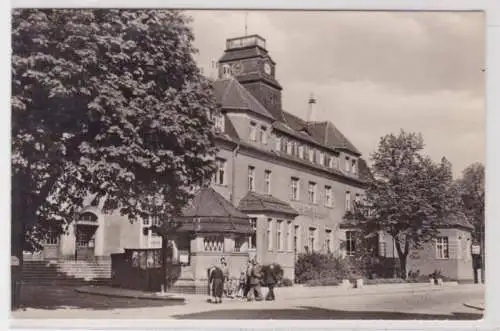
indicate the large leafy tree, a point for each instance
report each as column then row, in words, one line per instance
column 472, row 188
column 409, row 197
column 107, row 104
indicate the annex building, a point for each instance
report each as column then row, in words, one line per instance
column 282, row 186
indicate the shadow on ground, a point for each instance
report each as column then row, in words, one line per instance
column 55, row 297
column 307, row 313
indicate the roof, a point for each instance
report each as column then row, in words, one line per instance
column 254, row 202
column 230, row 94
column 211, row 212
column 208, row 203
column 457, row 221
column 328, row 135
column 242, row 53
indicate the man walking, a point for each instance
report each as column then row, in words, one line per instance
column 255, row 279
column 270, row 279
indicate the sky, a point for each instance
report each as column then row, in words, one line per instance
column 372, row 73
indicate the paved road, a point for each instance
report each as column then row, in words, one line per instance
column 438, row 303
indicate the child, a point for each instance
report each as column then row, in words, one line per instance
column 242, row 284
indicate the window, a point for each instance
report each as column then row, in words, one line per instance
column 301, row 151
column 333, row 162
column 312, row 239
column 357, row 198
column 269, row 234
column 442, row 251
column 278, row 144
column 220, row 175
column 328, row 240
column 289, row 229
column 347, row 201
column 350, row 240
column 354, row 166
column 213, row 244
column 252, row 241
column 253, row 131
column 296, row 238
column 267, row 180
column 328, row 196
column 312, row 192
column 347, row 164
column 289, row 147
column 263, row 135
column 311, row 155
column 295, row 189
column 284, row 143
column 52, row 238
column 251, row 179
column 219, row 122
column 321, row 157
column 279, row 235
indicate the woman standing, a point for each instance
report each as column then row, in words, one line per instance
column 216, row 279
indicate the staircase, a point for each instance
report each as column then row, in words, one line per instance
column 66, row 273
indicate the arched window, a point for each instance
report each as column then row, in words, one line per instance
column 88, row 217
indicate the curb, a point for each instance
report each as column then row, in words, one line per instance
column 477, row 307
column 132, row 296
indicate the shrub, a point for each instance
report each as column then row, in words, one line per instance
column 285, row 282
column 323, row 282
column 384, row 281
column 315, row 265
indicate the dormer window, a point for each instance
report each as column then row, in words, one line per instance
column 347, row 164
column 321, row 156
column 301, row 151
column 354, row 167
column 278, row 144
column 311, row 155
column 253, row 131
column 263, row 135
column 289, row 147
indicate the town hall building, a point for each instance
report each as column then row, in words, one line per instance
column 282, row 186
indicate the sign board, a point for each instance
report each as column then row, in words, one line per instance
column 184, row 258
column 476, row 249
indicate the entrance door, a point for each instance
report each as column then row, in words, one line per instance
column 85, row 242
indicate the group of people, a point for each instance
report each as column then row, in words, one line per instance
column 247, row 286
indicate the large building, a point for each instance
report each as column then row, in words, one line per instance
column 282, row 186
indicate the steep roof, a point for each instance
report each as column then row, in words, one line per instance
column 208, row 203
column 254, row 202
column 327, row 134
column 230, row 94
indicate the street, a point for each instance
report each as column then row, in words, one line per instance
column 426, row 303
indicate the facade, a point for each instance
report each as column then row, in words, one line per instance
column 293, row 178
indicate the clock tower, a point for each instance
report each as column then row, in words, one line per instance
column 247, row 60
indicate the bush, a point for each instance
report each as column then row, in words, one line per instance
column 319, row 266
column 285, row 282
column 323, row 282
column 384, row 281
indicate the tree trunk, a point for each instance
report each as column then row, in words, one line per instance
column 164, row 243
column 402, row 255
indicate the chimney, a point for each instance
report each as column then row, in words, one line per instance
column 311, row 110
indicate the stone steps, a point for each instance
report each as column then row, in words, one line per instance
column 66, row 273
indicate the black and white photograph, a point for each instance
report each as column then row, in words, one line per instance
column 247, row 164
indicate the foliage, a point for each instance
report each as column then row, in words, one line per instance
column 472, row 192
column 409, row 197
column 106, row 104
column 285, row 282
column 323, row 282
column 384, row 281
column 315, row 265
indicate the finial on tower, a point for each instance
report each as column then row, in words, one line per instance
column 246, row 23
column 312, row 99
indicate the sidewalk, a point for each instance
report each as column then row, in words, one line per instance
column 282, row 293
column 126, row 293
